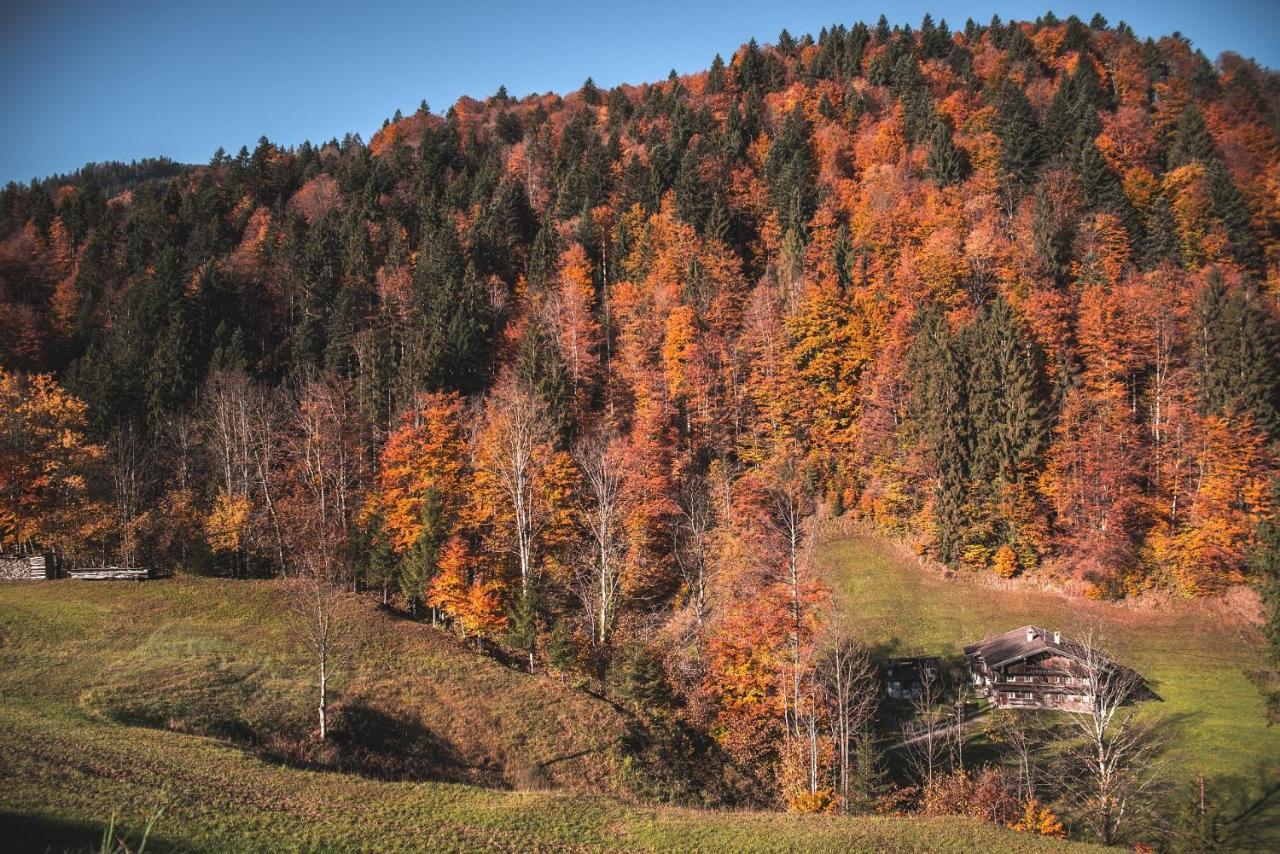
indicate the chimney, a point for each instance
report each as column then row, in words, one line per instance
column 1057, row 637
column 1031, row 633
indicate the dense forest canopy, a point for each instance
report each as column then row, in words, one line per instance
column 572, row 371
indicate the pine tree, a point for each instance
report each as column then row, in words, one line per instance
column 947, row 163
column 1266, row 569
column 1191, row 140
column 418, row 566
column 940, row 404
column 1237, row 355
column 1019, row 131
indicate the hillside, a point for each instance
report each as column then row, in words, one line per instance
column 1197, row 659
column 221, row 659
column 578, row 376
column 72, row 655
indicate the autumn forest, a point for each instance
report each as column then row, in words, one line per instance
column 577, row 377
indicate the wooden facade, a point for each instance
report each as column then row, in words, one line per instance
column 1030, row 668
column 904, row 678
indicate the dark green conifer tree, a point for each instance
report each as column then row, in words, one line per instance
column 1236, row 355
column 941, row 411
column 947, row 163
column 1019, row 132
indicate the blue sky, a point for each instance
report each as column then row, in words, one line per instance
column 82, row 81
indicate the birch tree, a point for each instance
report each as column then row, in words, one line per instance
column 1114, row 757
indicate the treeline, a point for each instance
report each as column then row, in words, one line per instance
column 575, row 372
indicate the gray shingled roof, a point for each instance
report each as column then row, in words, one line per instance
column 1014, row 646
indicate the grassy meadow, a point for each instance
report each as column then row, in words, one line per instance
column 123, row 698
column 1195, row 656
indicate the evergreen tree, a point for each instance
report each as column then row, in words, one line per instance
column 418, row 566
column 947, row 163
column 522, row 624
column 716, row 76
column 1266, row 569
column 562, row 649
column 1191, row 140
column 1006, row 397
column 1230, row 207
column 940, row 405
column 791, row 172
column 1019, row 132
column 539, row 367
column 1237, row 355
column 380, row 560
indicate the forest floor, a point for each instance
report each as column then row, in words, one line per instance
column 1195, row 655
column 121, row 699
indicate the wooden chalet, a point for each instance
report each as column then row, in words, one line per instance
column 1030, row 668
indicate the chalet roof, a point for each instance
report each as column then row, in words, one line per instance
column 1021, row 643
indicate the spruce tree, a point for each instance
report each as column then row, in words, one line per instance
column 1266, row 569
column 419, row 564
column 791, row 172
column 522, row 624
column 1230, row 207
column 1019, row 132
column 940, row 405
column 539, row 367
column 1006, row 397
column 716, row 76
column 1191, row 140
column 947, row 163
column 1237, row 355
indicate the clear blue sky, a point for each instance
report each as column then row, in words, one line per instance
column 118, row 80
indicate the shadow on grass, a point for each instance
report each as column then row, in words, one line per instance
column 371, row 742
column 34, row 832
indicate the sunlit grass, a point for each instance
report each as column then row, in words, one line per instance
column 77, row 659
column 1197, row 661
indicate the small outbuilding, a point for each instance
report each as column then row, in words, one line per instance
column 904, row 678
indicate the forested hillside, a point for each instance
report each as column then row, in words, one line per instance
column 573, row 373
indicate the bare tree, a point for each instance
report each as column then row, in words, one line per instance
column 791, row 496
column 1115, row 754
column 849, row 683
column 130, row 463
column 926, row 737
column 694, row 530
column 318, row 607
column 1024, row 734
column 599, row 459
column 956, row 716
column 245, row 432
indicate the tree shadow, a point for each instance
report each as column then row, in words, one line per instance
column 371, row 742
column 37, row 832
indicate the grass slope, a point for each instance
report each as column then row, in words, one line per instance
column 80, row 661
column 1197, row 661
column 210, row 657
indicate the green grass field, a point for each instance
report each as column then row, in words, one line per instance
column 122, row 698
column 1197, row 661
